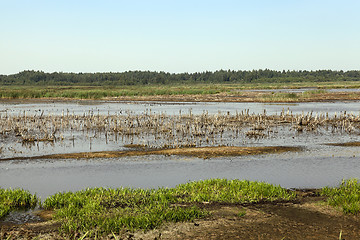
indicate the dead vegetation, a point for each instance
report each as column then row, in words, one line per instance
column 246, row 96
column 347, row 144
column 159, row 131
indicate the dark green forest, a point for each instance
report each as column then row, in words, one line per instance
column 40, row 78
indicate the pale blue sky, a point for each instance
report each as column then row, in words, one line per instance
column 178, row 36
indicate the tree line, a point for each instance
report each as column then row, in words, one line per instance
column 41, row 78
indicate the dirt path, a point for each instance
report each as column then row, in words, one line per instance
column 306, row 218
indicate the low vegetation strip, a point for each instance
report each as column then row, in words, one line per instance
column 14, row 199
column 193, row 92
column 102, row 211
column 201, row 152
column 345, row 197
column 238, row 207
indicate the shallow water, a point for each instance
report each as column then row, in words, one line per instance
column 21, row 217
column 290, row 170
column 317, row 166
column 171, row 108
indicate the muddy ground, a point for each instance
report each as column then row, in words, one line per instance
column 305, row 218
column 201, row 152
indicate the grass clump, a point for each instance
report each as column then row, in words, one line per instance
column 312, row 93
column 105, row 210
column 275, row 97
column 102, row 211
column 101, row 92
column 16, row 199
column 346, row 196
column 232, row 191
column 241, row 213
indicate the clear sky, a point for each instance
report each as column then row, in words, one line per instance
column 178, row 36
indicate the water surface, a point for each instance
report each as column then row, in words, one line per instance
column 317, row 166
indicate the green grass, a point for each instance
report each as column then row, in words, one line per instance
column 102, row 211
column 283, row 96
column 241, row 213
column 275, row 97
column 81, row 92
column 314, row 92
column 345, row 197
column 99, row 92
column 16, row 199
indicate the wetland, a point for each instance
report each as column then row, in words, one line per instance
column 53, row 146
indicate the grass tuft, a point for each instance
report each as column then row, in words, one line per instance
column 112, row 210
column 346, row 196
column 16, row 199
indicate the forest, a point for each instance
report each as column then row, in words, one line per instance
column 40, row 78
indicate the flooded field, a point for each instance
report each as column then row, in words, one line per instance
column 46, row 128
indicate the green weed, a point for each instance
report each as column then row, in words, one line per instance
column 313, row 92
column 241, row 213
column 13, row 199
column 99, row 92
column 112, row 210
column 346, row 196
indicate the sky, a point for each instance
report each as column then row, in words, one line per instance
column 178, row 36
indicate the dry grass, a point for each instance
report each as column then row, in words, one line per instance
column 347, row 144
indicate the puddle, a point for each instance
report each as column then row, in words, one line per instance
column 21, row 217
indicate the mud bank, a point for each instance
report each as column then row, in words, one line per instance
column 201, row 152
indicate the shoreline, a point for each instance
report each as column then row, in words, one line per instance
column 307, row 216
column 248, row 96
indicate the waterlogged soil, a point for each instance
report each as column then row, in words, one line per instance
column 305, row 218
column 201, row 152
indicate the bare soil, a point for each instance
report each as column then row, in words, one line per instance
column 201, row 152
column 305, row 218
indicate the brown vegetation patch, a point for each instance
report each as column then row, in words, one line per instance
column 208, row 152
column 242, row 96
column 201, row 152
column 347, row 144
